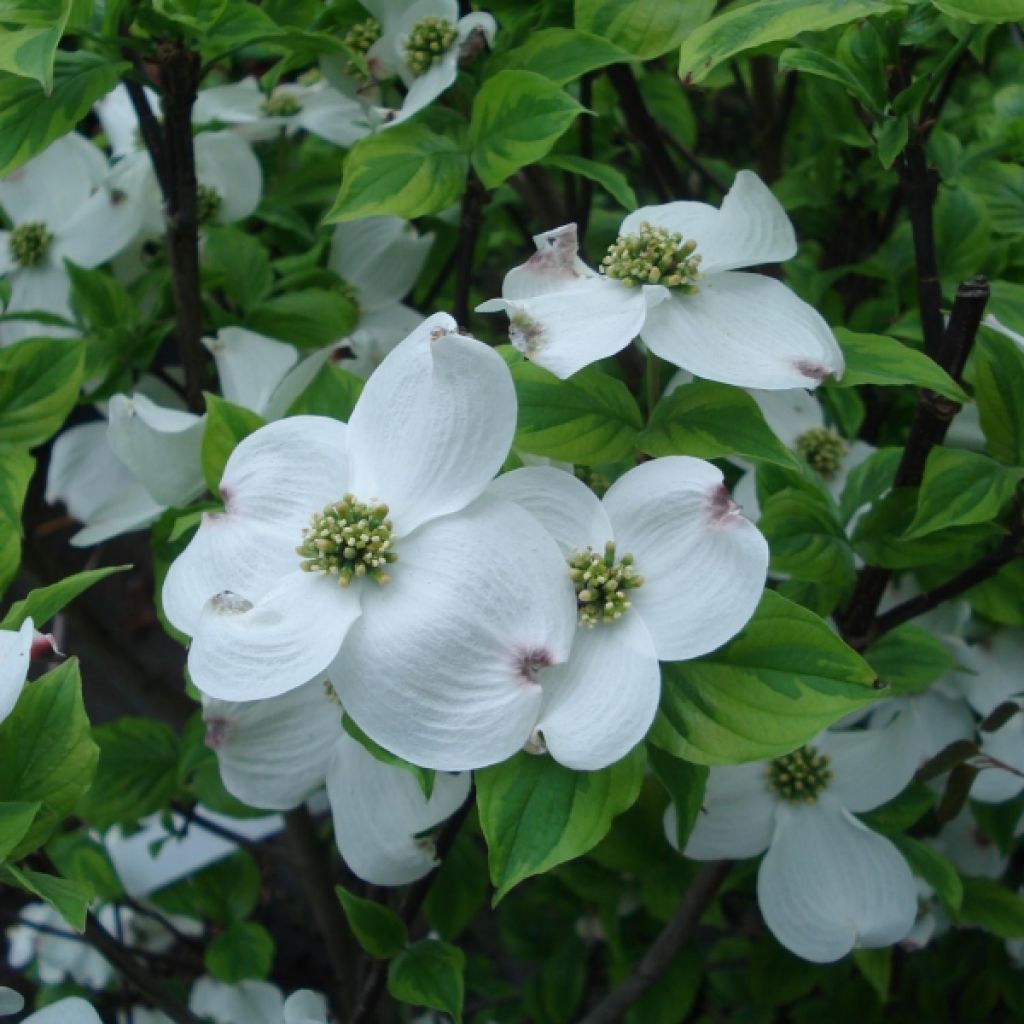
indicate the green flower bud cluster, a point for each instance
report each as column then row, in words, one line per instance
column 823, row 450
column 429, row 40
column 281, row 105
column 358, row 40
column 800, row 777
column 349, row 539
column 208, row 203
column 653, row 256
column 28, row 243
column 602, row 584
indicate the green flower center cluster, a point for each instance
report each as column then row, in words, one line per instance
column 208, row 203
column 28, row 243
column 653, row 256
column 800, row 777
column 349, row 539
column 823, row 450
column 602, row 584
column 360, row 37
column 429, row 40
column 281, row 105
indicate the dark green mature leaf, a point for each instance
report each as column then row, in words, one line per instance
column 39, row 383
column 709, row 421
column 590, row 419
column 807, row 540
column 46, row 751
column 31, row 118
column 424, row 776
column 15, row 820
column 743, row 27
column 877, row 359
column 561, row 54
column 1001, row 187
column 909, row 659
column 70, row 898
column 685, row 783
column 814, row 62
column 934, row 868
column 16, row 468
column 535, row 813
column 380, row 931
column 226, row 425
column 979, row 11
column 310, row 318
column 646, row 28
column 778, row 683
column 407, row 171
column 999, row 391
column 612, row 181
column 868, row 481
column 99, row 300
column 902, row 811
column 238, row 264
column 41, row 605
column 459, row 888
column 892, row 139
column 989, row 903
column 430, row 973
column 243, row 950
column 517, row 117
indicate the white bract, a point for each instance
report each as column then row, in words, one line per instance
column 289, row 581
column 65, row 1011
column 15, row 654
column 120, row 122
column 60, row 210
column 57, row 953
column 827, row 884
column 670, row 277
column 664, row 568
column 255, row 1002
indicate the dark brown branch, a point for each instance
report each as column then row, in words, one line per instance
column 663, row 950
column 149, row 129
column 465, row 247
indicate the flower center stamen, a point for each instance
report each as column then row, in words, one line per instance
column 208, row 203
column 800, row 777
column 823, row 450
column 349, row 539
column 429, row 40
column 602, row 584
column 653, row 256
column 281, row 105
column 29, row 242
column 358, row 40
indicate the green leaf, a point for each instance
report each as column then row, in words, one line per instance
column 424, row 776
column 517, row 117
column 999, row 391
column 380, row 931
column 99, row 300
column 909, row 659
column 408, row 171
column 869, row 480
column 710, row 421
column 590, row 419
column 30, row 49
column 978, row 11
column 238, row 264
column 892, row 139
column 16, row 469
column 1001, row 187
column 83, row 859
column 934, row 868
column 226, row 425
column 429, row 973
column 243, row 950
column 646, row 28
column 814, row 62
column 876, row 359
column 561, row 54
column 137, row 772
column 459, row 888
column 902, row 811
column 685, row 783
column 15, row 820
column 773, row 687
column 39, row 383
column 32, row 117
column 42, row 604
column 992, row 905
column 876, row 966
column 333, row 392
column 310, row 318
column 69, row 898
column 612, row 181
column 536, row 813
column 960, row 488
column 46, row 751
column 744, row 27
column 806, row 538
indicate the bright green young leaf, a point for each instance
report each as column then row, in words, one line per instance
column 990, row 904
column 778, row 683
column 612, row 181
column 15, row 820
column 380, row 931
column 310, row 318
column 934, row 868
column 41, row 605
column 517, row 117
column 999, row 391
column 535, row 813
column 31, row 118
column 979, row 11
column 710, row 421
column 807, row 540
column 909, row 659
column 685, row 783
column 29, row 52
column 646, row 28
column 80, row 858
column 589, row 419
column 961, row 488
column 70, row 898
column 561, row 54
column 39, row 383
column 876, row 359
column 333, row 392
column 243, row 950
column 743, row 27
column 407, row 171
column 226, row 425
column 16, row 468
column 430, row 973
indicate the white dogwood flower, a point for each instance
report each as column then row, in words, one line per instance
column 59, row 211
column 664, row 568
column 255, row 1002
column 670, row 277
column 827, row 883
column 119, row 121
column 318, row 516
column 72, row 1010
column 15, row 655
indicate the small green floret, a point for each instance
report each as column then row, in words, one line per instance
column 28, row 243
column 800, row 777
column 350, row 539
column 429, row 40
column 653, row 256
column 281, row 105
column 208, row 203
column 823, row 450
column 602, row 584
